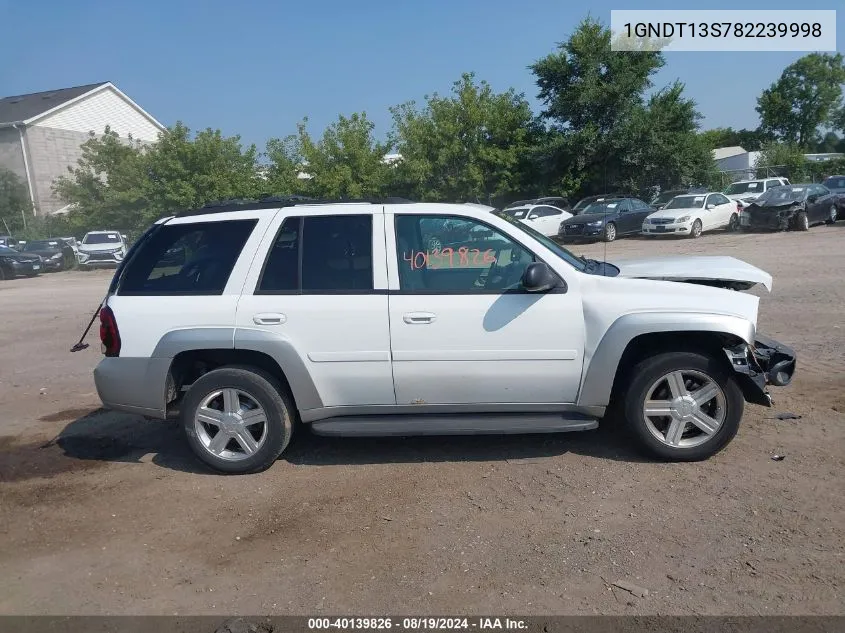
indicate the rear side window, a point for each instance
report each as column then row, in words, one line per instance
column 320, row 254
column 186, row 259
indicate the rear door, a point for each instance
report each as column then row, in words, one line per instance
column 319, row 286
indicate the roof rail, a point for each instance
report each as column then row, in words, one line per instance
column 276, row 202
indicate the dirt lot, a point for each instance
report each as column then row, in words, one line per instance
column 108, row 513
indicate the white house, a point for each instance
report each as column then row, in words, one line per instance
column 41, row 133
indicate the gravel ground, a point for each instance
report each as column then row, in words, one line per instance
column 105, row 513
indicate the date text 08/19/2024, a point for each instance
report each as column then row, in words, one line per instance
column 417, row 623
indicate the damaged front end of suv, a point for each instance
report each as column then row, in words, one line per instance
column 766, row 362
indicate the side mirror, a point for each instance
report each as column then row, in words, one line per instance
column 533, row 216
column 812, row 197
column 538, row 277
column 711, row 206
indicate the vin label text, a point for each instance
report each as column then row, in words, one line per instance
column 723, row 30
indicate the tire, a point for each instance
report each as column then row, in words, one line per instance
column 2, row 274
column 802, row 222
column 695, row 232
column 832, row 215
column 687, row 442
column 609, row 233
column 733, row 223
column 252, row 386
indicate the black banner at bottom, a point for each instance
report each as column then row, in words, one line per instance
column 528, row 624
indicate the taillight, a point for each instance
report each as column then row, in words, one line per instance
column 109, row 335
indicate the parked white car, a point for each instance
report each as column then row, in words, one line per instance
column 692, row 214
column 101, row 248
column 338, row 317
column 541, row 217
column 746, row 191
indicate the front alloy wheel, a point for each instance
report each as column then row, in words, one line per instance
column 609, row 232
column 683, row 406
column 696, row 229
column 832, row 214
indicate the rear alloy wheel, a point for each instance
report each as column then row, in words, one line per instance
column 237, row 419
column 696, row 229
column 683, row 406
column 832, row 214
column 609, row 232
column 733, row 223
column 802, row 222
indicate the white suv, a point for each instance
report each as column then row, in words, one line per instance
column 747, row 191
column 249, row 320
column 101, row 248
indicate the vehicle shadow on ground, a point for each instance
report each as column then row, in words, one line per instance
column 107, row 436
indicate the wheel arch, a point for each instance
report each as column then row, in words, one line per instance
column 196, row 351
column 634, row 336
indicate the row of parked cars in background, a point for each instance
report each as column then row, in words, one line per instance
column 762, row 204
column 28, row 258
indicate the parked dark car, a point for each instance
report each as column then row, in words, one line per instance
column 56, row 254
column 14, row 264
column 836, row 184
column 664, row 197
column 583, row 203
column 556, row 201
column 606, row 220
column 790, row 207
column 6, row 240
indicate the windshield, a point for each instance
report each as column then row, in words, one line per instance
column 609, row 207
column 570, row 258
column 665, row 197
column 519, row 214
column 782, row 195
column 101, row 238
column 745, row 187
column 5, row 250
column 686, row 202
column 835, row 182
column 40, row 245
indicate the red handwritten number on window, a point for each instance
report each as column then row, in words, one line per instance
column 436, row 260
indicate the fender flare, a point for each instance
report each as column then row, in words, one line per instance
column 600, row 368
column 274, row 345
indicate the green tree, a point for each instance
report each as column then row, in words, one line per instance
column 14, row 201
column 603, row 132
column 346, row 162
column 281, row 175
column 470, row 146
column 749, row 140
column 806, row 97
column 785, row 159
column 122, row 184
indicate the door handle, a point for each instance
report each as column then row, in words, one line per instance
column 419, row 318
column 269, row 318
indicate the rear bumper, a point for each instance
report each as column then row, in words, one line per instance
column 133, row 385
column 766, row 362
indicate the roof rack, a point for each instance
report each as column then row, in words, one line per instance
column 276, row 202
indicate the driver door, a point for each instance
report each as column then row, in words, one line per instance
column 462, row 330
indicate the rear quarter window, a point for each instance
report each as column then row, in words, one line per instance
column 186, row 259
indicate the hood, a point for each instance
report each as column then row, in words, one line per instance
column 100, row 248
column 748, row 195
column 46, row 253
column 774, row 204
column 586, row 218
column 673, row 213
column 23, row 257
column 709, row 270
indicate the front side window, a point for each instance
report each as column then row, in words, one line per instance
column 320, row 254
column 186, row 259
column 472, row 257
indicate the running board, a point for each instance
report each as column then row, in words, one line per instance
column 444, row 424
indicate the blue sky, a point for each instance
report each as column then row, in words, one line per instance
column 256, row 67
